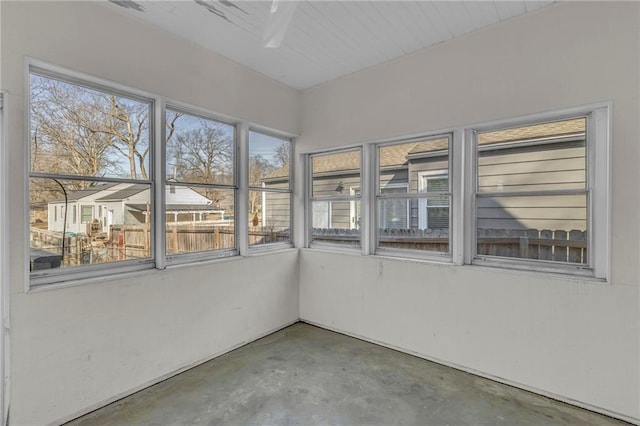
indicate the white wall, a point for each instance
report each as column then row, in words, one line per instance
column 573, row 339
column 75, row 348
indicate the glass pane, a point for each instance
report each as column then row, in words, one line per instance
column 336, row 174
column 268, row 161
column 199, row 219
column 79, row 131
column 101, row 222
column 406, row 223
column 540, row 157
column 404, row 163
column 544, row 227
column 271, row 220
column 336, row 222
column 198, row 149
column 394, row 213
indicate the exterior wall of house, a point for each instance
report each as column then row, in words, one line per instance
column 78, row 347
column 572, row 338
column 533, row 168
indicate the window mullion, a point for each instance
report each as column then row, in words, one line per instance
column 159, row 172
column 242, row 193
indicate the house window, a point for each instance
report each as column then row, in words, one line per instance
column 87, row 142
column 86, row 214
column 270, row 192
column 75, row 214
column 335, row 198
column 413, row 196
column 434, row 212
column 200, row 184
column 535, row 193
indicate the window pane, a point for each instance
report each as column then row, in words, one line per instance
column 336, row 174
column 336, row 222
column 271, row 222
column 198, row 150
column 268, row 161
column 79, row 131
column 123, row 233
column 544, row 227
column 394, row 213
column 410, row 223
column 540, row 157
column 404, row 163
column 199, row 219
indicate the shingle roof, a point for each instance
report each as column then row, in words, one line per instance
column 123, row 194
column 397, row 155
column 546, row 130
column 82, row 193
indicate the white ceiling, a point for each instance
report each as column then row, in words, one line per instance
column 325, row 39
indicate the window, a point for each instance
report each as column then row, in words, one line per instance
column 88, row 144
column 102, row 197
column 200, row 184
column 531, row 194
column 270, row 193
column 434, row 213
column 414, row 196
column 335, row 198
column 534, row 194
column 86, row 214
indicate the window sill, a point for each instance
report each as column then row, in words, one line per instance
column 69, row 280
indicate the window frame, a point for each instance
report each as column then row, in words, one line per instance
column 181, row 258
column 423, row 219
column 83, row 272
column 362, row 246
column 597, row 190
column 158, row 260
column 260, row 248
column 452, row 193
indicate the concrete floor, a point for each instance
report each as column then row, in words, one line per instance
column 304, row 375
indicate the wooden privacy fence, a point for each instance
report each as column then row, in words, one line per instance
column 185, row 238
column 559, row 245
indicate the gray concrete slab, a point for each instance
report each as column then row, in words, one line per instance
column 304, row 375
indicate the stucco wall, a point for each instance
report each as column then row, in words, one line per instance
column 78, row 347
column 571, row 338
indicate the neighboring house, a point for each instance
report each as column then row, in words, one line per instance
column 548, row 156
column 126, row 204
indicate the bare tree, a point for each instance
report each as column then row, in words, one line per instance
column 63, row 135
column 281, row 154
column 202, row 155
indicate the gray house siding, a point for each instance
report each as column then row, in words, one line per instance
column 550, row 167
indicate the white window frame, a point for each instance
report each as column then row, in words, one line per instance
column 598, row 189
column 423, row 205
column 63, row 277
column 259, row 248
column 454, row 255
column 82, row 272
column 310, row 199
column 167, row 179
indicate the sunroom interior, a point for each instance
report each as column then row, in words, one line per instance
column 375, row 221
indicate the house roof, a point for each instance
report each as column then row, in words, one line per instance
column 397, row 155
column 123, row 194
column 82, row 193
column 390, row 156
column 538, row 131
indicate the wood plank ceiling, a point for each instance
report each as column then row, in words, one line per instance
column 325, row 39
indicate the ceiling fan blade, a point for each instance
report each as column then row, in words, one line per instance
column 279, row 18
